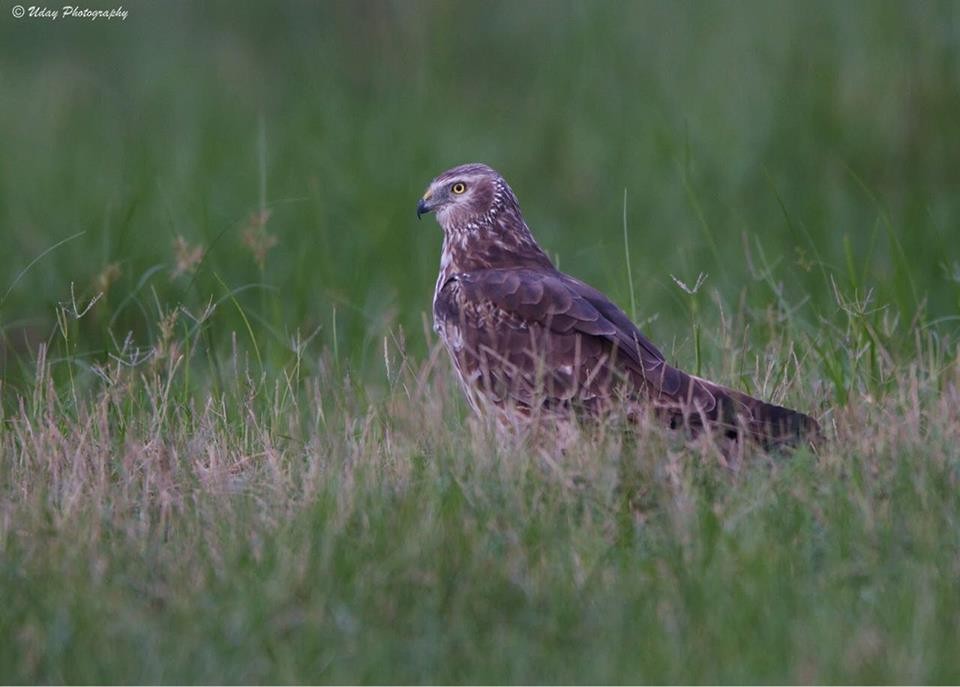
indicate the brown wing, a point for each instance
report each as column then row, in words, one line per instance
column 522, row 331
column 541, row 337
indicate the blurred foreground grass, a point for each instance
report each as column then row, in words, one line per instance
column 246, row 462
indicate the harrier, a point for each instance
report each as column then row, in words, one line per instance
column 528, row 340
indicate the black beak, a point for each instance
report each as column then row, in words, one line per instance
column 422, row 208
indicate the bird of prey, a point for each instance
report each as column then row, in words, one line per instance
column 528, row 340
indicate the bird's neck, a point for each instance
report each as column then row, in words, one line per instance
column 503, row 240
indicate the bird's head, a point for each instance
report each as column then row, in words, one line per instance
column 468, row 194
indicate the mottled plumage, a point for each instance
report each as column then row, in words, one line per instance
column 526, row 338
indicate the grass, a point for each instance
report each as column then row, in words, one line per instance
column 230, row 450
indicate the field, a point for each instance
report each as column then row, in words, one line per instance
column 231, row 450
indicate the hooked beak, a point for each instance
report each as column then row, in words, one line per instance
column 423, row 208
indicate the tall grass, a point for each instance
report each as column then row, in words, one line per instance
column 290, row 528
column 231, row 450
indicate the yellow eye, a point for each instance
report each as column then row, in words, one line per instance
column 458, row 188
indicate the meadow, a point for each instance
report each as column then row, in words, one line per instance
column 232, row 451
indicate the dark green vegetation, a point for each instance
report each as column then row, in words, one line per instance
column 246, row 461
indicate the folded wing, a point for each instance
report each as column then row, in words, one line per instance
column 534, row 338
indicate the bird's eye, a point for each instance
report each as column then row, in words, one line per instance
column 458, row 187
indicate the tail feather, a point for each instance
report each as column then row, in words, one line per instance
column 767, row 423
column 685, row 400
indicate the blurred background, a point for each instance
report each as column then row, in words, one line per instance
column 274, row 153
